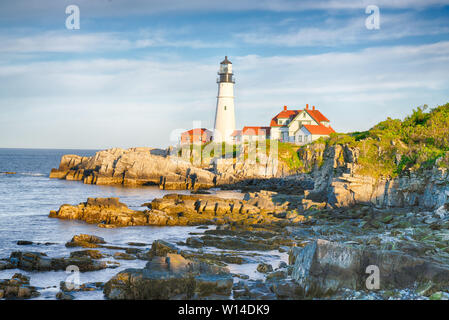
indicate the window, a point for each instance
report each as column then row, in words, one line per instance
column 224, row 68
column 299, row 138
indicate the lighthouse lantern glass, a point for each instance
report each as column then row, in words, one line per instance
column 224, row 68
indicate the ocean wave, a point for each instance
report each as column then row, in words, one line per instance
column 32, row 174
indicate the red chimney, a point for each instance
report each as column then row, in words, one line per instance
column 307, row 106
column 285, row 108
column 313, row 107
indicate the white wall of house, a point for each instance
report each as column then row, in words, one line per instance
column 279, row 133
column 275, row 133
column 297, row 122
column 303, row 136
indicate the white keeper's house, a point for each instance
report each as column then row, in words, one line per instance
column 300, row 126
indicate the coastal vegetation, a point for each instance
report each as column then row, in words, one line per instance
column 390, row 148
column 394, row 146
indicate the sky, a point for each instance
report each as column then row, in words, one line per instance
column 138, row 72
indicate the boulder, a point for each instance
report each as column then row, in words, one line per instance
column 94, row 254
column 18, row 287
column 264, row 268
column 85, row 241
column 61, row 295
column 194, row 242
column 24, row 243
column 161, row 248
column 37, row 261
column 103, row 211
column 169, row 277
column 322, row 267
column 124, row 256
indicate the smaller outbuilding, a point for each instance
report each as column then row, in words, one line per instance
column 196, row 136
column 255, row 133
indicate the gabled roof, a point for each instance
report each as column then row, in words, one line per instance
column 319, row 129
column 290, row 114
column 318, row 116
column 256, row 131
column 284, row 114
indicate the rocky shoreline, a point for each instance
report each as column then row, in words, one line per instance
column 146, row 166
column 328, row 177
column 332, row 223
column 264, row 208
column 329, row 251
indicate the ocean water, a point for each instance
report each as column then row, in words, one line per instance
column 27, row 197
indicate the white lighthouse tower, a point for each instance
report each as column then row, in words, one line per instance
column 224, row 114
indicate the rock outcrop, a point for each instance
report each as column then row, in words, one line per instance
column 332, row 180
column 337, row 184
column 169, row 275
column 86, row 240
column 323, row 267
column 38, row 261
column 18, row 287
column 103, row 211
column 181, row 210
column 146, row 166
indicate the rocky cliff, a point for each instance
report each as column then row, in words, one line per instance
column 334, row 171
column 331, row 176
column 146, row 166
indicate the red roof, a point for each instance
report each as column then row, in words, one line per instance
column 197, row 131
column 284, row 114
column 318, row 116
column 290, row 114
column 322, row 130
column 236, row 133
column 256, row 131
column 196, row 135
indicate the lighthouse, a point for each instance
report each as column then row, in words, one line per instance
column 224, row 114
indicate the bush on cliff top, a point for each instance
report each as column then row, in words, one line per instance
column 394, row 146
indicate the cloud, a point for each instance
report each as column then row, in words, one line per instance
column 70, row 42
column 336, row 32
column 41, row 9
column 124, row 102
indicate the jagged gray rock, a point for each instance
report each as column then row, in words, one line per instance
column 146, row 166
column 337, row 185
column 323, row 267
